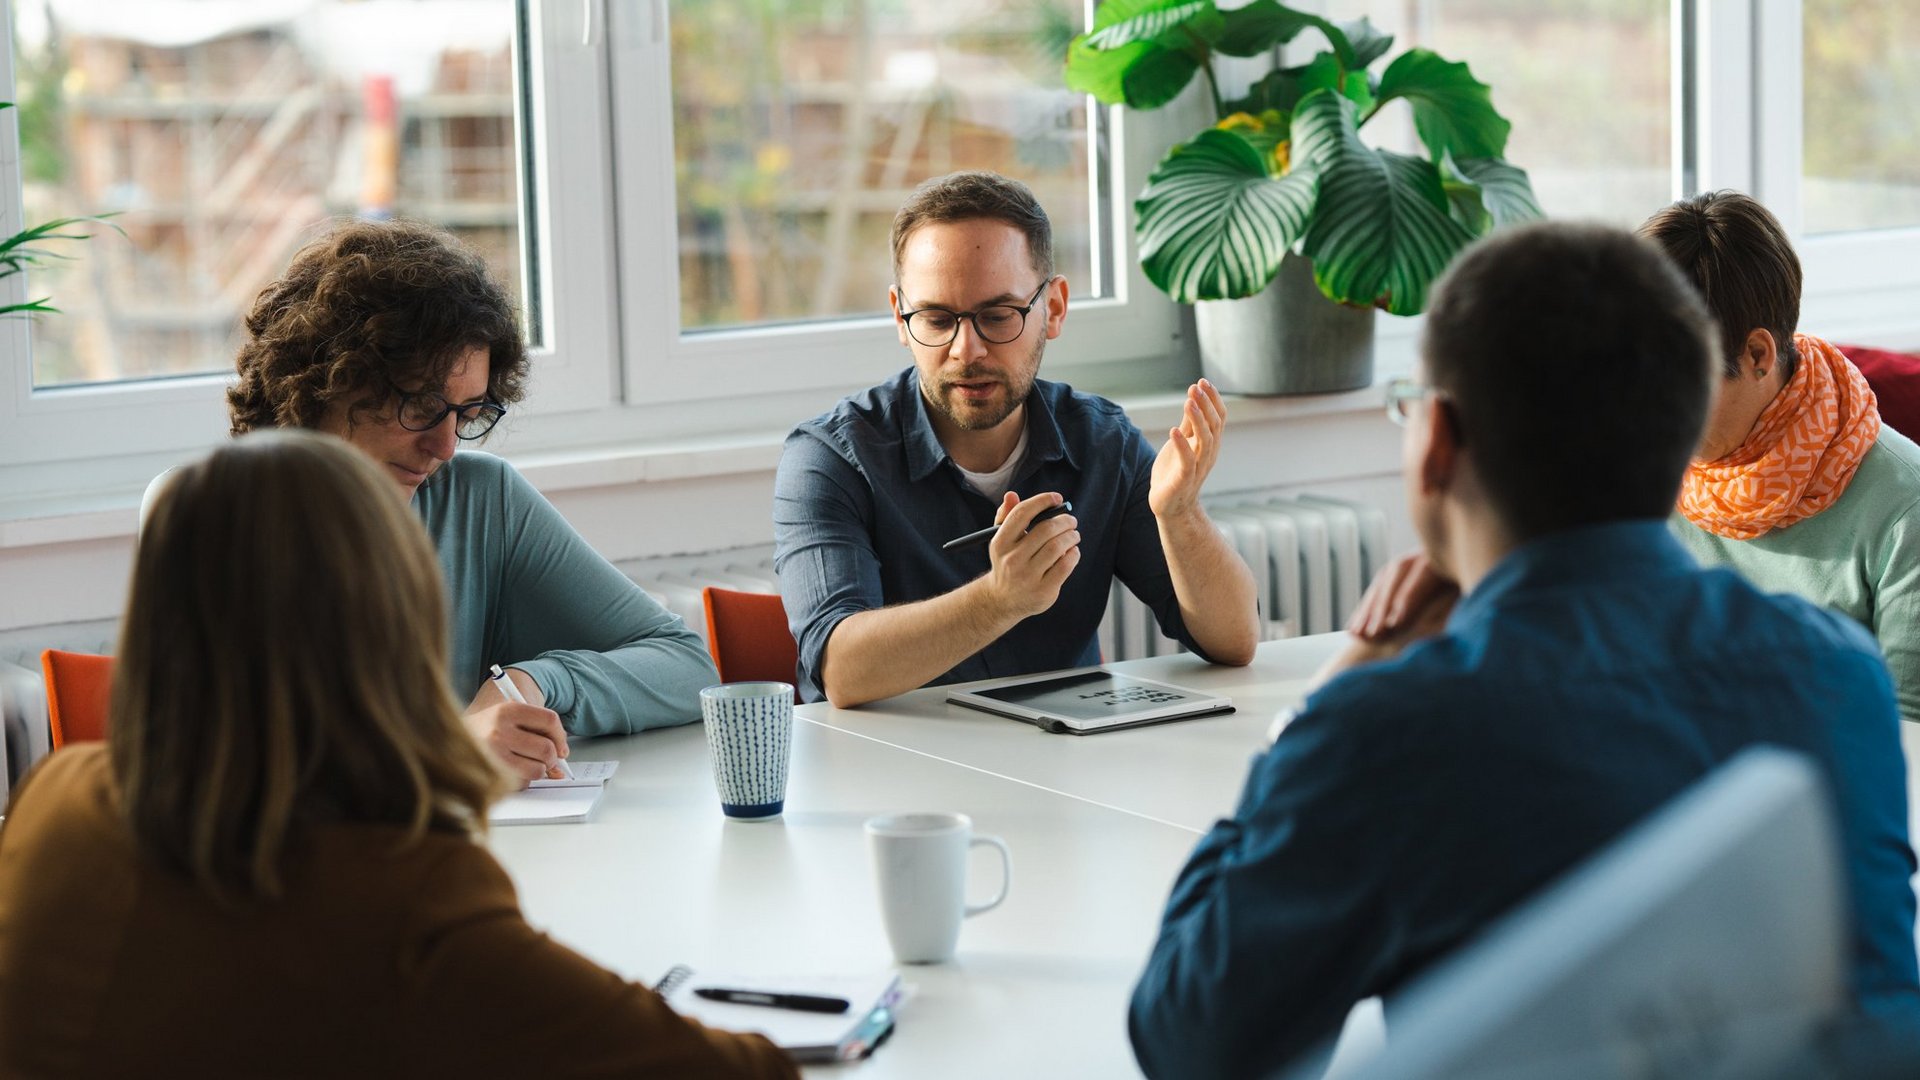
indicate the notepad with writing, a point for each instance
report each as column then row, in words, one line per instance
column 556, row 802
column 1086, row 701
column 805, row 1036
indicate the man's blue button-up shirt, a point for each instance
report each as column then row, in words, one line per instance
column 866, row 495
column 1590, row 678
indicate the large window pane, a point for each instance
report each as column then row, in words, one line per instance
column 225, row 134
column 1586, row 84
column 1862, row 136
column 800, row 127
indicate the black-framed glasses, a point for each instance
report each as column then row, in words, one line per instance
column 422, row 410
column 996, row 323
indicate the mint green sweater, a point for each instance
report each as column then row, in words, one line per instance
column 526, row 591
column 1859, row 557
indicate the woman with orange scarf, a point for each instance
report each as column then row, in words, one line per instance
column 1796, row 484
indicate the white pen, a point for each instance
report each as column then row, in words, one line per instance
column 512, row 693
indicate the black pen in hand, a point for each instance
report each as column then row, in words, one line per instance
column 981, row 536
column 801, row 1002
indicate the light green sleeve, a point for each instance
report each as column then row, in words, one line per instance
column 608, row 657
column 1896, row 608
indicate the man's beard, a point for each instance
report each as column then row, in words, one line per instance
column 973, row 419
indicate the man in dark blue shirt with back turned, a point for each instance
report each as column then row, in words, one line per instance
column 1576, row 671
column 968, row 437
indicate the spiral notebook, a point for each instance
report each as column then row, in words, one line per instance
column 807, row 1037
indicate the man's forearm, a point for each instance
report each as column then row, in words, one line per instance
column 1214, row 587
column 886, row 651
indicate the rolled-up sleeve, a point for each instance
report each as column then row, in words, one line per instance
column 823, row 547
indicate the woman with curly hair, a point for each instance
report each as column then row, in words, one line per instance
column 270, row 866
column 393, row 336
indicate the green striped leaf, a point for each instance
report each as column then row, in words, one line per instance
column 1452, row 110
column 1213, row 225
column 1366, row 40
column 1141, row 53
column 1254, row 29
column 1123, row 22
column 1505, row 191
column 1381, row 230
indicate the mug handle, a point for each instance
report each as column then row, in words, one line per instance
column 1006, row 872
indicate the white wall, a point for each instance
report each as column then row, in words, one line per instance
column 68, row 563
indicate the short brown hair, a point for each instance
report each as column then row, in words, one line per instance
column 370, row 305
column 283, row 664
column 1735, row 252
column 1580, row 368
column 971, row 196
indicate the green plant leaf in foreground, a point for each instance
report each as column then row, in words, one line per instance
column 1381, row 230
column 1140, row 76
column 1505, row 190
column 1256, row 28
column 1452, row 110
column 1122, row 22
column 1213, row 224
column 1369, row 44
column 1141, row 53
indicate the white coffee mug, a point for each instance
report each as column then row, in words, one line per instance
column 920, row 863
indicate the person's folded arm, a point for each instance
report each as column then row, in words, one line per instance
column 606, row 656
column 1277, row 925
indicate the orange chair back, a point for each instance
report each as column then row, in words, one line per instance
column 748, row 636
column 77, row 685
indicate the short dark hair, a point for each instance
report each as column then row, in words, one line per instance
column 1738, row 256
column 1580, row 367
column 971, row 196
column 369, row 305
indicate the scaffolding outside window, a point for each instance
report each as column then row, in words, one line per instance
column 225, row 138
column 799, row 128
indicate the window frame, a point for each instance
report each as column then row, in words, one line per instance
column 663, row 365
column 136, row 428
column 614, row 372
column 1748, row 134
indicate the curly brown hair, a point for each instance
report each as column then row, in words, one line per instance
column 370, row 307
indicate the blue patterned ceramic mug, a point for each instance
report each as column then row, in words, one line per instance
column 749, row 731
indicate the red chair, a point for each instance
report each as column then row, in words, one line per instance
column 748, row 636
column 77, row 685
column 1895, row 378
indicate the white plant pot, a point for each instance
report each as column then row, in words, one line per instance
column 1285, row 339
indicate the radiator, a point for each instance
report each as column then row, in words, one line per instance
column 1311, row 557
column 676, row 583
column 24, row 738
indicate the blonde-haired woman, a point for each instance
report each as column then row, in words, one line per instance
column 270, row 869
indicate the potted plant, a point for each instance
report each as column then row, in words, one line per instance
column 1282, row 185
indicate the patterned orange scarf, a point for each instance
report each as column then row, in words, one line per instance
column 1799, row 457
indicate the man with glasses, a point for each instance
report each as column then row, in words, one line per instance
column 869, row 493
column 393, row 336
column 1582, row 671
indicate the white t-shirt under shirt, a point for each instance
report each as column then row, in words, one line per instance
column 994, row 485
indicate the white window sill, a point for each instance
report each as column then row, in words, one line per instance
column 111, row 515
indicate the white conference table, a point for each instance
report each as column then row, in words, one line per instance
column 1098, row 827
column 1186, row 774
